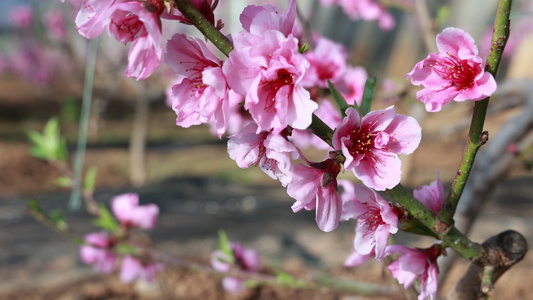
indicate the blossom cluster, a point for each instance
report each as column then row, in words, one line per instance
column 265, row 97
column 101, row 248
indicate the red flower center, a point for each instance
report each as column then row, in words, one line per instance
column 457, row 71
column 371, row 219
column 363, row 143
column 283, row 78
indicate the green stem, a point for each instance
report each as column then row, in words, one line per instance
column 477, row 137
column 196, row 18
column 453, row 237
column 75, row 197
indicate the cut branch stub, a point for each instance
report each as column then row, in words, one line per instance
column 501, row 252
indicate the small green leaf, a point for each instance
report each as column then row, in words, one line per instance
column 35, row 206
column 106, row 220
column 224, row 244
column 283, row 278
column 90, row 179
column 58, row 219
column 78, row 241
column 250, row 283
column 64, row 181
column 443, row 13
column 416, row 227
column 303, row 48
column 368, row 95
column 49, row 145
column 126, row 249
column 339, row 99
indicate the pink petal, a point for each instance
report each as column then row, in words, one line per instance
column 457, row 42
column 328, row 208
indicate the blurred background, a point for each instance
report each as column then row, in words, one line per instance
column 133, row 141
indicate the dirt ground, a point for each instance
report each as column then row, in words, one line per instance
column 37, row 263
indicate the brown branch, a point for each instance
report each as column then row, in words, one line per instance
column 502, row 251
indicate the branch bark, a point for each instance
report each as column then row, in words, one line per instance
column 502, row 251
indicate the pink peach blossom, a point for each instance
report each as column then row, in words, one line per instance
column 259, row 19
column 371, row 145
column 270, row 151
column 21, row 16
column 127, row 21
column 352, row 84
column 327, row 62
column 315, row 187
column 97, row 252
column 244, row 259
column 456, row 72
column 266, row 68
column 432, row 195
column 376, row 220
column 202, row 96
column 368, row 10
column 55, row 24
column 268, row 74
column 413, row 264
column 133, row 268
column 330, row 115
column 128, row 211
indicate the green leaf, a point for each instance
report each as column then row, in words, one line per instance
column 224, row 244
column 106, row 220
column 250, row 283
column 64, row 181
column 35, row 206
column 416, row 227
column 126, row 249
column 303, row 48
column 90, row 179
column 38, row 141
column 49, row 145
column 283, row 278
column 58, row 219
column 339, row 99
column 368, row 95
column 78, row 241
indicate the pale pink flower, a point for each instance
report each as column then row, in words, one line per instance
column 203, row 95
column 371, row 145
column 356, row 259
column 315, row 187
column 133, row 268
column 98, row 252
column 55, row 24
column 376, row 220
column 413, row 264
column 244, row 259
column 21, row 16
column 259, row 19
column 330, row 115
column 513, row 149
column 432, row 195
column 368, row 10
column 456, row 72
column 352, row 84
column 267, row 69
column 127, row 21
column 236, row 118
column 327, row 62
column 272, row 152
column 128, row 211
